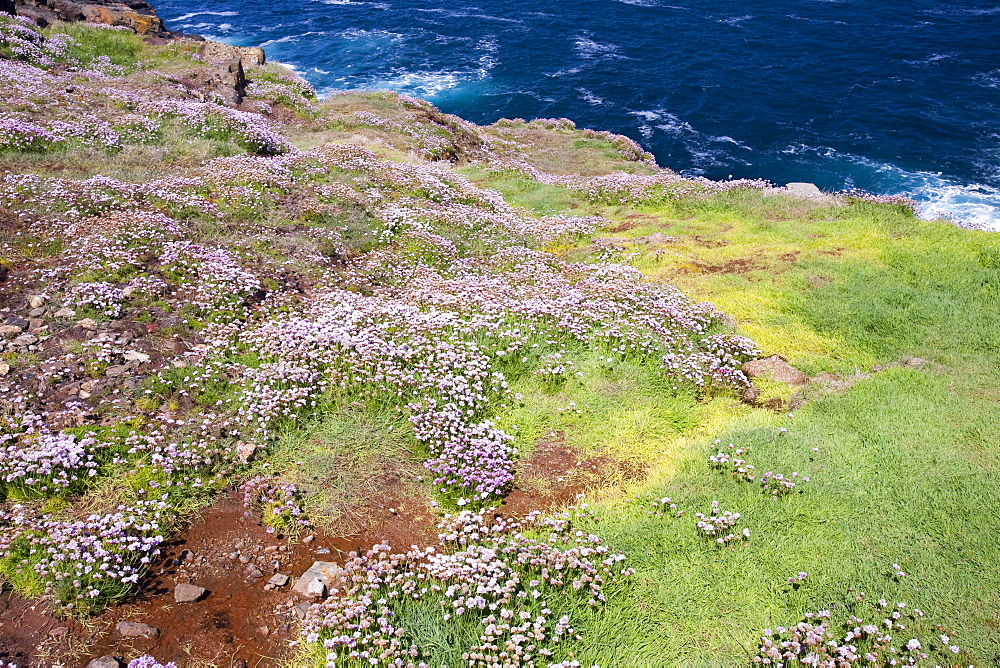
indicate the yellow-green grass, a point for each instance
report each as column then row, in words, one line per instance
column 907, row 469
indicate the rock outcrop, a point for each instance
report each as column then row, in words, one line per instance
column 138, row 15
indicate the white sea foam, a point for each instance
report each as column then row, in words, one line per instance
column 588, row 48
column 937, row 195
column 191, row 15
column 589, row 97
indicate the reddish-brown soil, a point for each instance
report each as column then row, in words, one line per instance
column 239, row 620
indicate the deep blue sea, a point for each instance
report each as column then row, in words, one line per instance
column 891, row 96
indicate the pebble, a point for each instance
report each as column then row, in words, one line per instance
column 270, row 548
column 106, row 661
column 65, row 313
column 188, row 593
column 88, row 323
column 25, row 340
column 9, row 330
column 279, row 580
column 4, row 368
column 36, row 301
column 136, row 630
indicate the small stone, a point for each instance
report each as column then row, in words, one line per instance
column 188, row 593
column 179, row 364
column 25, row 340
column 58, row 632
column 270, row 548
column 253, row 572
column 268, row 587
column 65, row 313
column 279, row 580
column 136, row 356
column 106, row 661
column 245, row 559
column 7, row 331
column 35, row 324
column 308, row 539
column 36, row 301
column 4, row 368
column 117, row 371
column 87, row 323
column 316, row 588
column 329, row 573
column 264, row 630
column 36, row 313
column 136, row 630
column 14, row 321
column 301, row 609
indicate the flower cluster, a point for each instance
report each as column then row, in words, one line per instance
column 146, row 661
column 717, row 523
column 819, row 641
column 87, row 562
column 498, row 574
column 730, row 459
column 857, row 195
column 779, row 484
column 44, row 463
column 277, row 502
column 209, row 119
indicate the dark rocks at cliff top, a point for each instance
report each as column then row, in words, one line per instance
column 136, row 14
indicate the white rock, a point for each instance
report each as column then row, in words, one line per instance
column 327, row 572
column 136, row 356
column 88, row 323
column 4, row 368
column 36, row 301
column 66, row 313
column 316, row 587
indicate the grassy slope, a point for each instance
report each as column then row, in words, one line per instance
column 907, row 465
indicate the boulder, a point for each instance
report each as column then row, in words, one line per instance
column 327, row 573
column 188, row 593
column 777, row 368
column 136, row 630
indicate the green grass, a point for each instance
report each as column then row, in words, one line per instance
column 121, row 48
column 907, row 469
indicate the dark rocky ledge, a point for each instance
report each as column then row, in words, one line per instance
column 136, row 14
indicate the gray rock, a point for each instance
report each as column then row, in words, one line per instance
column 253, row 572
column 25, row 340
column 327, row 572
column 777, row 368
column 188, row 593
column 107, row 661
column 10, row 330
column 117, row 370
column 301, row 609
column 136, row 630
column 65, row 313
column 279, row 580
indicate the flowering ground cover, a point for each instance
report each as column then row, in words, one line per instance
column 303, row 304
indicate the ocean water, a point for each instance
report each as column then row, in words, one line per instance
column 890, row 96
